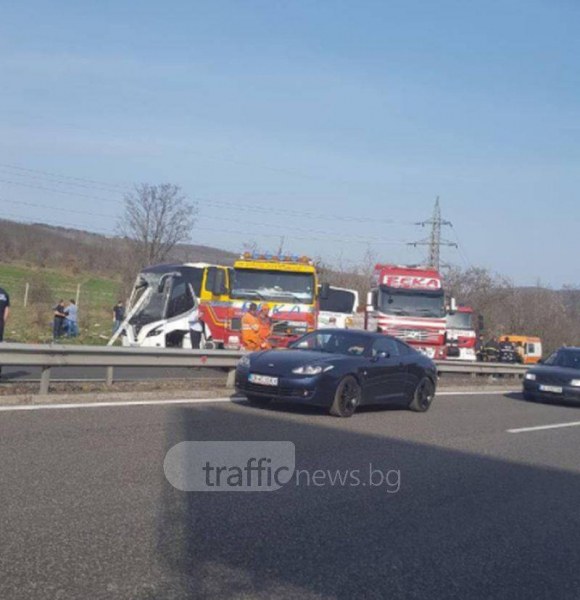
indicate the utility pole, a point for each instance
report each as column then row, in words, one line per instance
column 434, row 241
column 281, row 246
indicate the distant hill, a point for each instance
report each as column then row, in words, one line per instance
column 45, row 246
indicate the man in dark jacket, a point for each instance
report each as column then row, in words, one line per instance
column 4, row 312
column 59, row 315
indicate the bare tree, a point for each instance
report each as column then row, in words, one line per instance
column 156, row 218
column 508, row 309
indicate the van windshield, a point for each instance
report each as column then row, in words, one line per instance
column 339, row 301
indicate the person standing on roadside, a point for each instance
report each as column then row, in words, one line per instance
column 4, row 312
column 118, row 315
column 72, row 322
column 265, row 327
column 59, row 316
column 195, row 328
column 251, row 328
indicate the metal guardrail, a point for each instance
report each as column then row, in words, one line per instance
column 56, row 355
column 481, row 368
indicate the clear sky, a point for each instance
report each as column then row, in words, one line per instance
column 335, row 124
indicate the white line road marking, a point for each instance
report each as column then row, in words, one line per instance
column 478, row 393
column 17, row 407
column 123, row 404
column 544, row 427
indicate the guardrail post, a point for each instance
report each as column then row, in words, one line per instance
column 44, row 380
column 109, row 376
column 231, row 380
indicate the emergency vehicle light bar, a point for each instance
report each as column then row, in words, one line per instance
column 276, row 257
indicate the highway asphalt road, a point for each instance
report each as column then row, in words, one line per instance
column 481, row 512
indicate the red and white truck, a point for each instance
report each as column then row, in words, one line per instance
column 409, row 303
column 461, row 334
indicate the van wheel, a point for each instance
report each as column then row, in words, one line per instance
column 423, row 396
column 346, row 398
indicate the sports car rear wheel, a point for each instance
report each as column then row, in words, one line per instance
column 423, row 396
column 258, row 400
column 346, row 398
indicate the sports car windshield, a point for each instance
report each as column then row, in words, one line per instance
column 277, row 286
column 569, row 359
column 349, row 344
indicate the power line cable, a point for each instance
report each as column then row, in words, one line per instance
column 461, row 249
column 56, row 208
column 61, row 176
column 68, row 193
column 302, row 214
column 268, row 226
column 217, row 203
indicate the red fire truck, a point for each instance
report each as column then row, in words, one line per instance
column 461, row 334
column 409, row 303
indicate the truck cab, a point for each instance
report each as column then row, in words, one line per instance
column 409, row 303
column 286, row 285
column 461, row 334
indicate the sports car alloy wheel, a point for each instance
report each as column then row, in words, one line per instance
column 346, row 398
column 423, row 396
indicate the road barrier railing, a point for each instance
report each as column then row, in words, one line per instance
column 49, row 356
column 481, row 368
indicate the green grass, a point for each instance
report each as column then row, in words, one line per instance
column 33, row 323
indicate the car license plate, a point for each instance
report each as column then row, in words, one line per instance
column 262, row 379
column 554, row 389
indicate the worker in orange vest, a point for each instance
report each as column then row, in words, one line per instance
column 251, row 329
column 265, row 327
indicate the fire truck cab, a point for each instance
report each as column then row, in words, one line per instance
column 287, row 285
column 461, row 334
column 409, row 303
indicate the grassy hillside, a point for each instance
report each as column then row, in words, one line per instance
column 54, row 261
column 33, row 322
column 75, row 251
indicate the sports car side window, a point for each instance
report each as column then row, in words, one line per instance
column 403, row 348
column 385, row 345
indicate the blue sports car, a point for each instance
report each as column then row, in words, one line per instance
column 341, row 370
